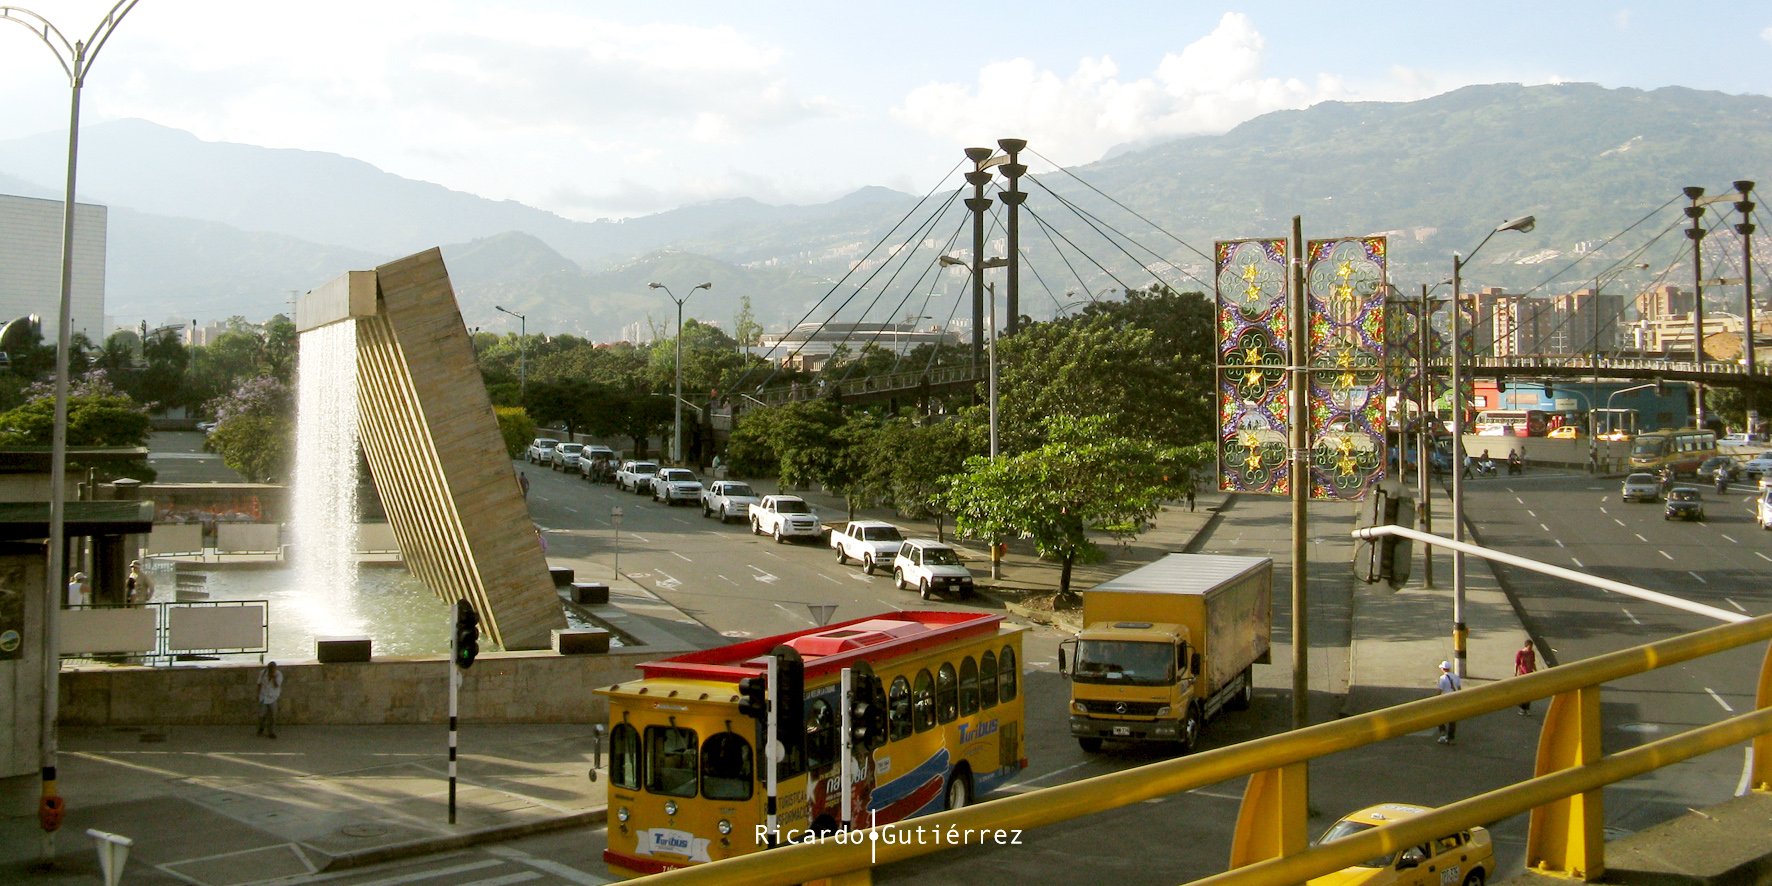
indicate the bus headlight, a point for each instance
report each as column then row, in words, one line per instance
column 1163, row 711
column 725, row 826
column 621, row 814
column 1079, row 707
column 670, row 807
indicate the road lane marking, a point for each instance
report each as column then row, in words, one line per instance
column 1578, row 563
column 1639, row 536
column 1663, row 553
column 574, row 510
column 1544, row 527
column 434, row 872
column 1559, row 542
column 569, row 874
column 1633, row 619
column 1736, row 605
column 1763, row 557
column 890, row 604
column 860, row 576
column 1728, row 539
column 634, row 535
column 681, row 557
column 1699, row 577
column 1604, row 499
column 681, row 520
column 1055, row 772
column 764, row 577
column 829, row 579
column 1719, row 699
column 790, row 614
column 1531, row 513
column 1618, row 521
column 670, row 583
column 1518, row 499
column 724, row 579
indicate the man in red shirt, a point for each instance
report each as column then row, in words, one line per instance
column 1525, row 662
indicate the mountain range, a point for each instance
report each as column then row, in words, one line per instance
column 206, row 230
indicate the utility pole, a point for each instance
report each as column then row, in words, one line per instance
column 1299, row 355
column 1746, row 229
column 1695, row 212
column 979, row 204
column 1424, row 462
column 1013, row 198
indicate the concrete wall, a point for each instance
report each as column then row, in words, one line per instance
column 31, row 275
column 509, row 687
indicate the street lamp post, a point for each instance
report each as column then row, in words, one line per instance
column 76, row 59
column 1600, row 281
column 677, row 425
column 1522, row 224
column 990, row 373
column 522, row 351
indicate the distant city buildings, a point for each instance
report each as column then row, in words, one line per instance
column 31, row 264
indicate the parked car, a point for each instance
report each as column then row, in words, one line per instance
column 930, row 566
column 540, row 450
column 672, row 485
column 784, row 517
column 1741, row 438
column 1684, row 503
column 1757, row 467
column 870, row 542
column 565, row 457
column 1641, row 487
column 1465, row 858
column 636, row 476
column 728, row 498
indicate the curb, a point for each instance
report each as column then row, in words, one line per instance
column 430, row 845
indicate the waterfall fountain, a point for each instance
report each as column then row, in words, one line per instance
column 325, row 493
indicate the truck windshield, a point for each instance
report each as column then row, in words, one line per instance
column 1125, row 662
column 881, row 533
column 734, row 490
column 940, row 557
column 791, row 506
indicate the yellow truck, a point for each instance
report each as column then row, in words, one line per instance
column 1167, row 646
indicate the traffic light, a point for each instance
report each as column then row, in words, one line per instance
column 1387, row 558
column 467, row 633
column 867, row 708
column 790, row 699
column 753, row 697
column 1660, row 387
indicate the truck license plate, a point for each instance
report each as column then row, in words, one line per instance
column 1122, row 730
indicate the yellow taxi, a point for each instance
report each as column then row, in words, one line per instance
column 1566, row 432
column 1465, row 858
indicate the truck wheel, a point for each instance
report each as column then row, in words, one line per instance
column 777, row 532
column 959, row 793
column 1190, row 730
column 1089, row 745
column 756, row 528
column 706, row 512
column 898, row 579
column 842, row 555
column 923, row 588
column 1245, row 693
column 867, row 563
column 724, row 515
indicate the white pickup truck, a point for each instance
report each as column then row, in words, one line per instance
column 728, row 498
column 869, row 542
column 784, row 517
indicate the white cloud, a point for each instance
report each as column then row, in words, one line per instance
column 1621, row 19
column 1766, row 35
column 1213, row 84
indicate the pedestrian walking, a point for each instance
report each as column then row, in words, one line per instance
column 270, row 688
column 1449, row 683
column 1190, row 498
column 1525, row 662
column 139, row 586
column 523, row 481
column 79, row 592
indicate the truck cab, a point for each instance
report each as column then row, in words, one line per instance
column 1138, row 677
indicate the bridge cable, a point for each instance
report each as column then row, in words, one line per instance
column 1050, row 230
column 1087, row 216
column 909, row 291
column 1159, row 228
column 1595, row 251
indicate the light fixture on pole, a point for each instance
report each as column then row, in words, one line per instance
column 522, row 351
column 677, row 424
column 76, row 58
column 1523, row 224
column 1746, row 229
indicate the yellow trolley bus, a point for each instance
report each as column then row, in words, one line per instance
column 685, row 784
column 1683, row 451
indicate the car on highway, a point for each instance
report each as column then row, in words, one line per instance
column 728, row 498
column 673, row 485
column 1707, row 469
column 540, row 450
column 636, row 476
column 1757, row 467
column 930, row 566
column 1641, row 487
column 564, row 456
column 1464, row 858
column 1566, row 432
column 1684, row 503
column 1763, row 509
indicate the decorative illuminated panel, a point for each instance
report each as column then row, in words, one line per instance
column 1345, row 285
column 1251, row 295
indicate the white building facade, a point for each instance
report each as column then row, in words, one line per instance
column 31, row 264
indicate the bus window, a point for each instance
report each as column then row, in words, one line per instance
column 1006, row 674
column 987, row 679
column 898, row 710
column 670, row 761
column 624, row 757
column 947, row 694
column 821, row 734
column 968, row 687
column 726, row 767
column 923, row 701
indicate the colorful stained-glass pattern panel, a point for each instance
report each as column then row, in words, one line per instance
column 1345, row 285
column 1251, row 299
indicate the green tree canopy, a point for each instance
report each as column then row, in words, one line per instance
column 255, row 428
column 98, row 415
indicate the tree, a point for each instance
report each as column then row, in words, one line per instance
column 793, row 442
column 745, row 328
column 920, row 460
column 516, row 427
column 255, row 428
column 98, row 415
column 853, row 466
column 1084, row 478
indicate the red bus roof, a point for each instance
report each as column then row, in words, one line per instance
column 829, row 649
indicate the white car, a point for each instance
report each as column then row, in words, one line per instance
column 1641, row 487
column 565, row 456
column 672, row 485
column 636, row 476
column 540, row 450
column 930, row 566
column 1763, row 509
column 728, row 498
column 869, row 542
column 1758, row 466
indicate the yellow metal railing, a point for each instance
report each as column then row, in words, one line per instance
column 1271, row 846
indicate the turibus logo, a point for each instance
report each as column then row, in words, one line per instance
column 673, row 841
column 970, row 733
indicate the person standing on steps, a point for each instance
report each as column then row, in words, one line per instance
column 270, row 688
column 1449, row 683
column 1525, row 662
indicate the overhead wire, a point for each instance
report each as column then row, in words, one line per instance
column 1091, row 219
column 1132, row 212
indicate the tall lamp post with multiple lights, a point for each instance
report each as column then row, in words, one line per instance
column 76, row 58
column 677, row 425
column 522, row 350
column 948, row 261
column 1523, row 224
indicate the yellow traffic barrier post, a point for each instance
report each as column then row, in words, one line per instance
column 1568, row 836
column 1275, row 816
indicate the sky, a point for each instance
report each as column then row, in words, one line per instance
column 605, row 110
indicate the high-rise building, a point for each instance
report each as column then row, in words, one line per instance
column 1586, row 322
column 31, row 264
column 1664, row 303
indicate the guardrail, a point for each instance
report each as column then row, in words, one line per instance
column 1271, row 846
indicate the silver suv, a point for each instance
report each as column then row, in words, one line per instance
column 565, row 456
column 540, row 450
column 672, row 485
column 930, row 566
column 1641, row 487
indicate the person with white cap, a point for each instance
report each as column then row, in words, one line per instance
column 79, row 592
column 1449, row 683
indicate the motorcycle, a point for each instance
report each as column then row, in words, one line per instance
column 1486, row 467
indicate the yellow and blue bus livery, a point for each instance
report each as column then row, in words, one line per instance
column 686, row 785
